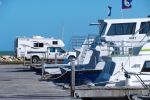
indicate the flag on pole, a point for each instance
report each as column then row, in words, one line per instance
column 109, row 10
column 126, row 4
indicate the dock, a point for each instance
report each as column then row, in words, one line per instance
column 18, row 82
column 109, row 92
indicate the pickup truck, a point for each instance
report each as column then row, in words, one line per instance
column 52, row 53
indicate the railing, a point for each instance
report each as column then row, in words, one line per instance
column 124, row 48
column 88, row 42
column 78, row 41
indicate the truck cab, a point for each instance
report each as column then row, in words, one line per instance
column 59, row 53
column 52, row 54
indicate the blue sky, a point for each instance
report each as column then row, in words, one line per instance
column 48, row 17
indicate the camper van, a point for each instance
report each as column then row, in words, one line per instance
column 38, row 47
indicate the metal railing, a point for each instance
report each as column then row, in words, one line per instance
column 124, row 48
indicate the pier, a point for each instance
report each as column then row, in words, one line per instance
column 109, row 92
column 18, row 82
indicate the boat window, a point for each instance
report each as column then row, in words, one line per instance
column 146, row 66
column 145, row 27
column 122, row 29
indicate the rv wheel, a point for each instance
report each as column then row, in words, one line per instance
column 35, row 59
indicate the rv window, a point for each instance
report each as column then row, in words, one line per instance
column 41, row 45
column 55, row 42
column 145, row 27
column 146, row 66
column 122, row 29
column 36, row 45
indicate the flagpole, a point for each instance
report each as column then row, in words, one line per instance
column 122, row 15
column 126, row 4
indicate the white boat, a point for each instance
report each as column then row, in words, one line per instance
column 124, row 57
column 127, row 53
column 126, row 68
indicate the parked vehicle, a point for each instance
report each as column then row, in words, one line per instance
column 37, row 48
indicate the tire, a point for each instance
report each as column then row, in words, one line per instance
column 35, row 59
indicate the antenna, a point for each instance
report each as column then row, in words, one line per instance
column 62, row 33
column 122, row 15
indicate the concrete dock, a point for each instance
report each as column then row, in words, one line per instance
column 20, row 83
column 109, row 92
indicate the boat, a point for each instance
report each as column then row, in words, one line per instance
column 87, row 71
column 124, row 53
column 128, row 56
column 129, row 68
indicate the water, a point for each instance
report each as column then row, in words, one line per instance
column 11, row 53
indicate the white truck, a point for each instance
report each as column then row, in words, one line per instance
column 37, row 48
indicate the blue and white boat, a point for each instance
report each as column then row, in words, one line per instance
column 123, row 55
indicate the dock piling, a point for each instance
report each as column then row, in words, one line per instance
column 72, row 91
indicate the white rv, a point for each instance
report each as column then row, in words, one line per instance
column 39, row 47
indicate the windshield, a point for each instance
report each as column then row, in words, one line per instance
column 121, row 29
column 60, row 50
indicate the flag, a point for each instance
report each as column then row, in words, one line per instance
column 126, row 4
column 109, row 10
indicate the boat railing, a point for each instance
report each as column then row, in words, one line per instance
column 137, row 75
column 124, row 48
column 79, row 41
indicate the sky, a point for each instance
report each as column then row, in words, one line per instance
column 51, row 18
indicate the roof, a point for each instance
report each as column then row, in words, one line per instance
column 127, row 20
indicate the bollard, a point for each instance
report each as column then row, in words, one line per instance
column 56, row 58
column 31, row 61
column 72, row 89
column 43, row 69
column 24, row 63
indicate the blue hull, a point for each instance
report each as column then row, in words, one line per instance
column 81, row 77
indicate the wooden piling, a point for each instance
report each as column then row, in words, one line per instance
column 72, row 91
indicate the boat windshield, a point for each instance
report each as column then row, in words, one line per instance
column 145, row 28
column 102, row 28
column 122, row 29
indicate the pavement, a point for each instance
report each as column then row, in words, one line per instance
column 18, row 82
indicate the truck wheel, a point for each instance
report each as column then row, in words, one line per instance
column 35, row 60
